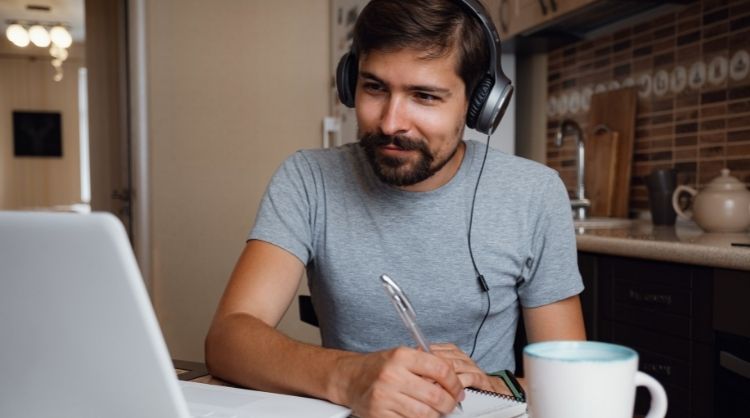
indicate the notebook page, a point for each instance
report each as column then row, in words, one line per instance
column 485, row 405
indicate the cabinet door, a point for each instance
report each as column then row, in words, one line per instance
column 526, row 14
column 500, row 13
column 587, row 265
column 513, row 17
column 664, row 311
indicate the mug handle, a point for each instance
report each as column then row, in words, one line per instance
column 676, row 200
column 658, row 408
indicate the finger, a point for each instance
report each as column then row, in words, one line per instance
column 394, row 398
column 432, row 367
column 445, row 347
column 461, row 363
column 452, row 355
column 426, row 397
column 449, row 350
column 463, row 366
column 475, row 380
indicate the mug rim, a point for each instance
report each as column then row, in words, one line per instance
column 616, row 352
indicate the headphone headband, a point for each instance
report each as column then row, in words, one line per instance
column 487, row 103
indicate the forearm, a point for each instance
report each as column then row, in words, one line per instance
column 246, row 351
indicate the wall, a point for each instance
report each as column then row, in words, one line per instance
column 531, row 130
column 696, row 122
column 26, row 84
column 108, row 136
column 235, row 86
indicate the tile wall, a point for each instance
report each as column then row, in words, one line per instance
column 692, row 72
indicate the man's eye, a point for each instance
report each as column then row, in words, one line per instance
column 426, row 97
column 373, row 87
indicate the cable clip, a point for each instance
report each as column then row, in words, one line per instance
column 483, row 283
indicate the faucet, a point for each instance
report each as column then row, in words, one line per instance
column 579, row 205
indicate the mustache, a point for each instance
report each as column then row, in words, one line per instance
column 378, row 140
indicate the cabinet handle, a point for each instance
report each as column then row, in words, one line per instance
column 660, row 369
column 734, row 364
column 553, row 5
column 650, row 298
column 543, row 6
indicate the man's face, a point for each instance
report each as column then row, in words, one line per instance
column 411, row 114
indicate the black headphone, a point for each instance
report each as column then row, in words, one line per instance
column 489, row 99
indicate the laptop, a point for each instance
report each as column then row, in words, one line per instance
column 79, row 338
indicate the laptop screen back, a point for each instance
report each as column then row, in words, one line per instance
column 79, row 335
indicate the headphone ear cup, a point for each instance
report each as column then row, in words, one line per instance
column 478, row 98
column 346, row 78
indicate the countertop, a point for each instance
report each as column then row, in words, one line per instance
column 683, row 243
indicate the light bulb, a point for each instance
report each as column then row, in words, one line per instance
column 39, row 36
column 17, row 35
column 61, row 37
column 57, row 52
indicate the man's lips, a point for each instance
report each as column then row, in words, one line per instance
column 393, row 148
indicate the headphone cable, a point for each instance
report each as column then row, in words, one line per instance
column 482, row 282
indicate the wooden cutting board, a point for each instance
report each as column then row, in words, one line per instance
column 616, row 110
column 601, row 170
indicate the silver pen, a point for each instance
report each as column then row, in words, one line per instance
column 407, row 314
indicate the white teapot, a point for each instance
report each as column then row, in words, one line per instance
column 722, row 206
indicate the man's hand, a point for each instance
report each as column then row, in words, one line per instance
column 468, row 372
column 402, row 382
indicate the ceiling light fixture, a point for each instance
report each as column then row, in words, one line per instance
column 58, row 37
column 39, row 36
column 18, row 35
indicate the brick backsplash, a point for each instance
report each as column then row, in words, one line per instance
column 692, row 72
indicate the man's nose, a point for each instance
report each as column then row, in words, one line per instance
column 394, row 120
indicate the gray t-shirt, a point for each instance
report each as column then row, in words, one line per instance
column 328, row 209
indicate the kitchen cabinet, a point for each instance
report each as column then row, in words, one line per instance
column 513, row 17
column 668, row 313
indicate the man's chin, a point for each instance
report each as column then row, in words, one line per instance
column 403, row 175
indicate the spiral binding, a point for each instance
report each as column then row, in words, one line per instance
column 494, row 394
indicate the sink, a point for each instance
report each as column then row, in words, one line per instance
column 603, row 223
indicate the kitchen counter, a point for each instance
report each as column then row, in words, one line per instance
column 683, row 243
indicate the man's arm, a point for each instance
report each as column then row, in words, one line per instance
column 261, row 287
column 561, row 320
column 244, row 347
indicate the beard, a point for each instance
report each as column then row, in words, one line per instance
column 401, row 171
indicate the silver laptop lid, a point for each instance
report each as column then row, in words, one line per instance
column 79, row 337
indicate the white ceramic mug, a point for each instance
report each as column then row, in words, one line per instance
column 586, row 379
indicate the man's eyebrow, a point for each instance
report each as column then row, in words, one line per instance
column 416, row 87
column 371, row 76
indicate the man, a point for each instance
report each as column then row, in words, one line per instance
column 400, row 202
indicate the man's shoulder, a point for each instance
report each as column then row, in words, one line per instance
column 521, row 169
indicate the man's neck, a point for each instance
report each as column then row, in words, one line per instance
column 443, row 176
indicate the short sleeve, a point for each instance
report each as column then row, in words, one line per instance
column 551, row 272
column 286, row 214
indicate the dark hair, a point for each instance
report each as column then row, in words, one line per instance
column 436, row 26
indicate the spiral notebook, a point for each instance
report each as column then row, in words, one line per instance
column 484, row 404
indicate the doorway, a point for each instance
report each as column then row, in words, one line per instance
column 77, row 105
